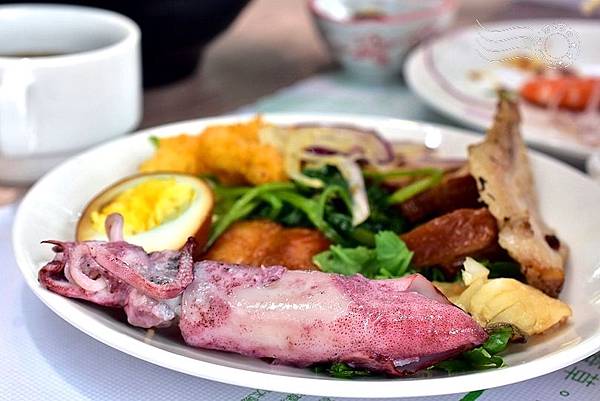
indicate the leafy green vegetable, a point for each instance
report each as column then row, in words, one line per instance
column 503, row 269
column 383, row 216
column 243, row 206
column 291, row 217
column 346, row 261
column 436, row 274
column 314, row 209
column 431, row 177
column 341, row 370
column 393, row 256
column 498, row 340
column 453, row 365
column 483, row 357
column 155, row 141
column 414, row 188
column 389, row 258
column 328, row 209
column 329, row 175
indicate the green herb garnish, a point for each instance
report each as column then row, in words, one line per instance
column 388, row 259
column 341, row 370
column 483, row 357
column 155, row 141
column 503, row 269
column 431, row 177
column 328, row 209
column 242, row 207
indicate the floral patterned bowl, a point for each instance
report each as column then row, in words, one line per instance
column 371, row 37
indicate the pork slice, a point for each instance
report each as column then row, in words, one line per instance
column 505, row 183
column 456, row 191
column 446, row 240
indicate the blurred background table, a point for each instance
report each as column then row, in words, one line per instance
column 274, row 44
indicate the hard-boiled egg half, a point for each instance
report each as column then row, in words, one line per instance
column 160, row 211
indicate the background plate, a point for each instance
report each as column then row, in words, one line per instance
column 441, row 71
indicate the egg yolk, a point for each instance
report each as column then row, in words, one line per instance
column 147, row 205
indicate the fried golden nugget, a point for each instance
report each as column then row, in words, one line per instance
column 505, row 183
column 231, row 152
column 446, row 240
column 266, row 243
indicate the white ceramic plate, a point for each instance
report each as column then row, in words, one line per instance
column 441, row 71
column 569, row 202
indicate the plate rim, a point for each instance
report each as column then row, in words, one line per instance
column 414, row 67
column 318, row 386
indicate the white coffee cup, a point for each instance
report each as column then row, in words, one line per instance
column 70, row 77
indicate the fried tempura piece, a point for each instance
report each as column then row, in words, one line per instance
column 505, row 183
column 446, row 240
column 177, row 154
column 456, row 191
column 231, row 152
column 266, row 243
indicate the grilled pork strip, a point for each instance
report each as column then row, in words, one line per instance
column 505, row 183
column 456, row 191
column 446, row 240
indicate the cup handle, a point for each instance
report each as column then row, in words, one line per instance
column 17, row 133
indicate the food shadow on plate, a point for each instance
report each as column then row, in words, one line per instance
column 88, row 365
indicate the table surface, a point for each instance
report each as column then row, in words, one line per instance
column 272, row 45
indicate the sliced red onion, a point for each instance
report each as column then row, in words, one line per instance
column 338, row 145
column 350, row 170
column 347, row 140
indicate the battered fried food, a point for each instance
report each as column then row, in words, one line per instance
column 232, row 152
column 266, row 243
column 505, row 183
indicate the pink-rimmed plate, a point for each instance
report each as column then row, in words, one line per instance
column 457, row 74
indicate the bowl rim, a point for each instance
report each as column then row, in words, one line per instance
column 440, row 8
